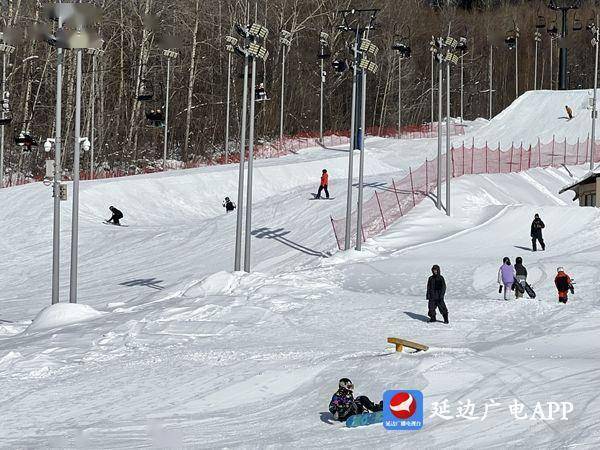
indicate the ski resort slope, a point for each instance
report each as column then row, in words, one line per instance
column 169, row 348
column 536, row 115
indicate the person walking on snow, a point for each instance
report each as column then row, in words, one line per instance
column 536, row 233
column 563, row 285
column 323, row 185
column 506, row 276
column 436, row 290
column 521, row 275
column 116, row 216
column 343, row 404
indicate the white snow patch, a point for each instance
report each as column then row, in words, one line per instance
column 62, row 314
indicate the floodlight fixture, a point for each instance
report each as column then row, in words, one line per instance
column 324, row 38
column 286, row 38
column 258, row 51
column 258, row 31
column 230, row 40
column 367, row 46
column 5, row 48
column 537, row 36
column 170, row 54
column 451, row 43
column 230, row 48
column 452, row 58
column 367, row 65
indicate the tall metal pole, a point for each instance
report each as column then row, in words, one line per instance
column 535, row 66
column 563, row 54
column 491, row 79
column 75, row 212
column 322, row 94
column 432, row 91
column 517, row 67
column 2, row 126
column 248, row 235
column 240, row 200
column 166, row 132
column 361, row 167
column 93, row 116
column 551, row 63
column 281, row 111
column 399, row 96
column 353, row 119
column 594, row 107
column 438, row 201
column 462, row 86
column 448, row 152
column 228, row 107
column 57, row 176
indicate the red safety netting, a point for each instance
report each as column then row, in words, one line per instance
column 394, row 201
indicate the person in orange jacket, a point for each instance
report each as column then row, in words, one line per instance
column 323, row 185
column 564, row 285
column 569, row 112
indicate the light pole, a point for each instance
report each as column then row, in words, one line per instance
column 95, row 52
column 462, row 48
column 5, row 115
column 249, row 50
column 231, row 42
column 286, row 41
column 594, row 28
column 169, row 54
column 564, row 6
column 323, row 55
column 404, row 52
column 491, row 73
column 537, row 36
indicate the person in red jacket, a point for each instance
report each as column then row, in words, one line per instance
column 564, row 285
column 323, row 185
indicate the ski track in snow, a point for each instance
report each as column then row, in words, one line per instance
column 189, row 354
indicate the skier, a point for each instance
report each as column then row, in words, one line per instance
column 521, row 275
column 569, row 112
column 343, row 404
column 536, row 233
column 564, row 285
column 228, row 205
column 506, row 276
column 323, row 185
column 116, row 216
column 436, row 289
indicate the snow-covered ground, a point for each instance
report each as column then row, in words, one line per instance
column 169, row 348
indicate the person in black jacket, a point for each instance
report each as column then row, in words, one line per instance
column 116, row 216
column 536, row 233
column 436, row 289
column 520, row 275
column 343, row 404
column 228, row 205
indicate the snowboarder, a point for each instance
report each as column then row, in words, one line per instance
column 506, row 276
column 536, row 233
column 228, row 205
column 436, row 289
column 116, row 216
column 521, row 275
column 343, row 404
column 569, row 112
column 563, row 285
column 323, row 185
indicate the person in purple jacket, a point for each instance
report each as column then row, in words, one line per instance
column 506, row 276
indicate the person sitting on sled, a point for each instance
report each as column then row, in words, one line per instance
column 116, row 216
column 343, row 404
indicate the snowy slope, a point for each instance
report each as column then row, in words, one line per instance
column 180, row 352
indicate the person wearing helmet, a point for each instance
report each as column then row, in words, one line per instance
column 506, row 276
column 343, row 404
column 536, row 233
column 436, row 290
column 116, row 216
column 563, row 285
column 521, row 275
column 228, row 205
column 324, row 184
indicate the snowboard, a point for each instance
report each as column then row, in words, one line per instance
column 110, row 223
column 518, row 287
column 529, row 289
column 360, row 420
column 321, row 198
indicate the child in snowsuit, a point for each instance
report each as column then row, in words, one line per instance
column 436, row 289
column 521, row 275
column 228, row 205
column 563, row 285
column 343, row 404
column 116, row 215
column 536, row 232
column 506, row 276
column 323, row 185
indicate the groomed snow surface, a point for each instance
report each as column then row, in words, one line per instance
column 169, row 348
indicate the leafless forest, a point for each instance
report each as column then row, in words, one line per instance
column 199, row 79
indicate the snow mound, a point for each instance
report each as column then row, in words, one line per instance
column 219, row 283
column 62, row 314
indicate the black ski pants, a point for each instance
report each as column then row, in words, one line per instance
column 538, row 239
column 437, row 304
column 321, row 188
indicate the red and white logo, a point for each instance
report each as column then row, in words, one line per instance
column 403, row 405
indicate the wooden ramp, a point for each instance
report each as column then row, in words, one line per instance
column 401, row 343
